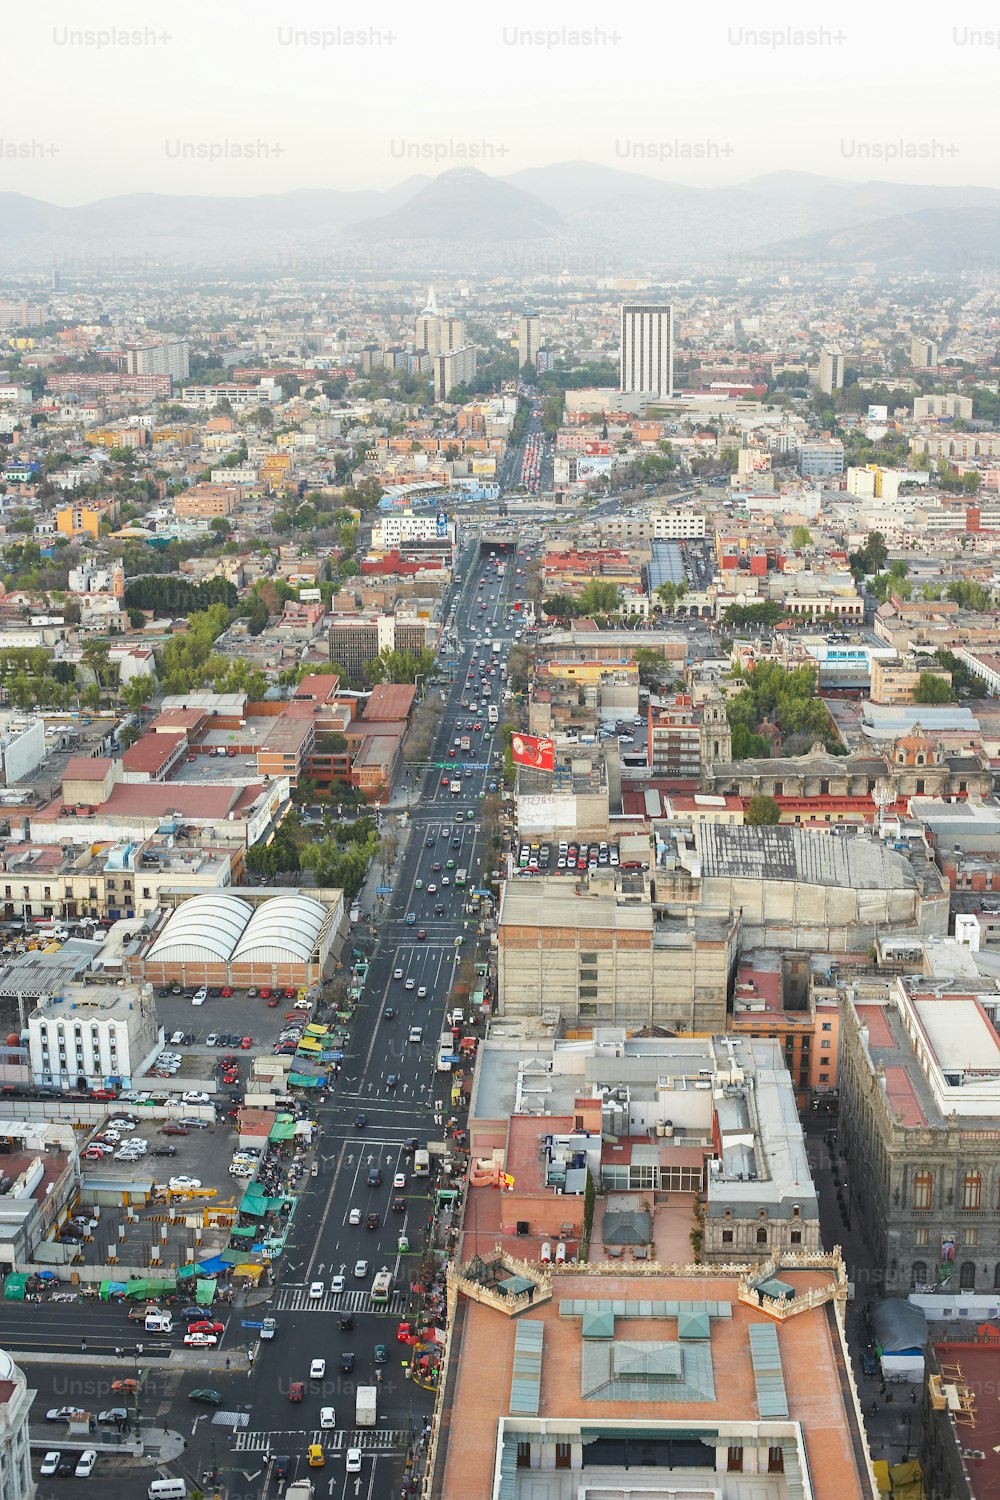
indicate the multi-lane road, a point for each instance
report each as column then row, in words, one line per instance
column 442, row 836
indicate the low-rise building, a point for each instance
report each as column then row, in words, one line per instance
column 92, row 1036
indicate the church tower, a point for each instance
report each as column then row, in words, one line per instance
column 716, row 736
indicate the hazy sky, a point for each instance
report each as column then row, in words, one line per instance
column 700, row 95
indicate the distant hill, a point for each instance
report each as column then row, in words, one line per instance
column 945, row 241
column 464, row 204
column 577, row 214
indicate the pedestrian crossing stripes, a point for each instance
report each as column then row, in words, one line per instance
column 383, row 1438
column 297, row 1299
column 230, row 1418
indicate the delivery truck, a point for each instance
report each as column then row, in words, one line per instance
column 365, row 1411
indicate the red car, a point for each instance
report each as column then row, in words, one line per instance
column 246, row 1043
column 227, row 990
column 206, row 1327
column 103, row 1094
column 265, row 993
column 173, row 1129
column 445, row 780
column 230, row 1078
column 421, row 935
column 272, row 1004
column 296, row 1390
column 451, row 754
column 290, row 992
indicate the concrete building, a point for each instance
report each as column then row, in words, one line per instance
column 831, row 370
column 171, row 359
column 606, row 957
column 920, row 1126
column 16, row 1482
column 677, row 523
column 923, row 353
column 92, row 1036
column 357, row 640
column 647, row 350
column 529, row 340
column 22, row 747
column 821, row 460
column 453, row 367
column 630, row 1379
column 942, row 406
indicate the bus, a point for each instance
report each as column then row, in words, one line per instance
column 381, row 1287
column 496, row 648
column 446, row 1052
column 456, row 788
column 493, row 713
column 460, row 877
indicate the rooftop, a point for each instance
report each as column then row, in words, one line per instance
column 786, row 853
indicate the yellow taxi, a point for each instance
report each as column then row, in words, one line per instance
column 316, row 1456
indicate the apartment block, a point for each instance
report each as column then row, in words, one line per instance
column 455, row 367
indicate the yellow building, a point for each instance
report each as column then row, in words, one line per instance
column 592, row 671
column 118, row 437
column 83, row 520
column 185, row 436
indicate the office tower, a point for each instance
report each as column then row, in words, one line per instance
column 647, row 345
column 435, row 332
column 529, row 336
column 923, row 353
column 453, row 367
column 831, row 370
column 160, row 359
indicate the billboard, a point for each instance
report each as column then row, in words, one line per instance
column 529, row 750
column 597, row 447
column 484, row 466
column 878, row 413
column 590, row 466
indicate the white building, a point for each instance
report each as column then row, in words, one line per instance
column 647, row 349
column 671, row 524
column 942, row 406
column 529, row 338
column 16, row 1482
column 160, row 359
column 454, row 367
column 22, row 747
column 99, row 1033
column 831, row 370
column 391, row 531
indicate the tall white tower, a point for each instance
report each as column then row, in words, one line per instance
column 647, row 345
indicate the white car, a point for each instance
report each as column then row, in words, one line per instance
column 337, row 1284
column 361, row 1269
column 397, row 973
column 317, row 1369
column 121, row 1122
column 327, row 1417
column 354, row 1460
column 200, row 996
column 195, row 1096
column 316, row 1289
column 411, row 984
column 200, row 1340
column 354, row 1217
column 85, row 1463
column 399, row 1180
column 178, row 1184
column 50, row 1463
column 422, row 992
column 176, row 1038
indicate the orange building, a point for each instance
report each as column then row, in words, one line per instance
column 84, row 520
column 809, row 1037
column 204, row 501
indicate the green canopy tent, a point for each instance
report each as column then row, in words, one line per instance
column 204, row 1292
column 283, row 1129
column 14, row 1289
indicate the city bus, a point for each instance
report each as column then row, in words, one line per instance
column 381, row 1287
column 460, row 877
column 493, row 713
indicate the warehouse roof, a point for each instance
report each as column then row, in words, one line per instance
column 285, row 928
column 204, row 929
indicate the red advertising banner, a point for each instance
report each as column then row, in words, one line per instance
column 527, row 750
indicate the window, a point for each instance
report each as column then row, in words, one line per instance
column 923, row 1187
column 795, row 1238
column 920, row 786
column 524, row 1455
column 735, row 1464
column 727, row 1236
column 762, row 1236
column 996, row 1275
column 970, row 1237
column 564, row 1455
column 972, row 1187
column 918, row 1275
column 824, row 1078
column 921, row 1238
column 967, row 1275
column 826, row 1026
column 825, row 1042
column 775, row 1461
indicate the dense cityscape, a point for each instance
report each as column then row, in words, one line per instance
column 500, row 838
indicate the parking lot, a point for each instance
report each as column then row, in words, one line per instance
column 562, row 857
column 238, row 1016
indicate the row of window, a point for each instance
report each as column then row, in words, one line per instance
column 966, row 1275
column 970, row 1191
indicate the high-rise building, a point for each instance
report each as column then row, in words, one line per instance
column 647, row 349
column 435, row 332
column 529, row 337
column 451, row 368
column 15, row 1454
column 923, row 353
column 831, row 370
column 160, row 359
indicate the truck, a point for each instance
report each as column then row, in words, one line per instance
column 493, row 713
column 466, row 744
column 365, row 1411
column 302, row 1489
column 382, row 1287
column 456, row 788
column 422, row 1161
column 446, row 1052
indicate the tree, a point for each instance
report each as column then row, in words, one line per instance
column 137, row 692
column 870, row 558
column 400, row 666
column 671, row 593
column 932, row 688
column 761, row 811
column 801, row 537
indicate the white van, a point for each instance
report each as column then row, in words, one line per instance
column 167, row 1489
column 159, row 1322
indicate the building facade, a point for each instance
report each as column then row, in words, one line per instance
column 647, row 349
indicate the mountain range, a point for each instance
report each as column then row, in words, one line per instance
column 576, row 214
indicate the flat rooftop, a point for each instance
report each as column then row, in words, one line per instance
column 554, row 903
column 663, row 1352
column 786, row 853
column 940, row 1055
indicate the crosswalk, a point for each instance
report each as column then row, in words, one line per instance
column 297, row 1299
column 235, row 1419
column 382, row 1438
